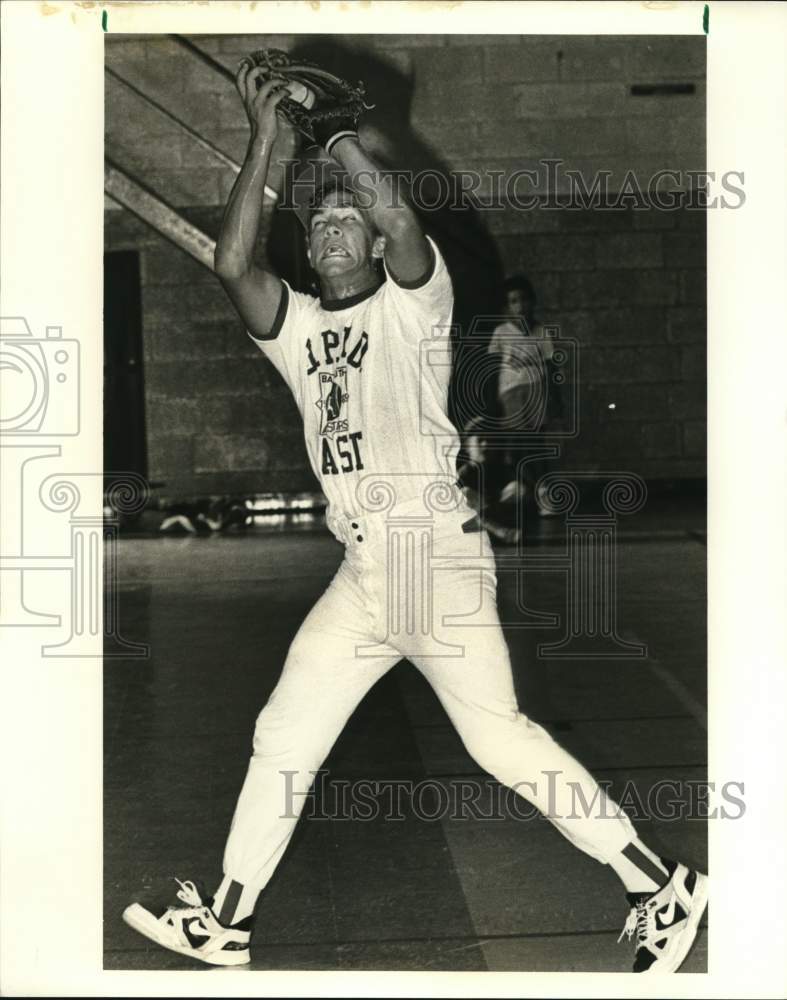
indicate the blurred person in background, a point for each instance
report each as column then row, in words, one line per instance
column 529, row 399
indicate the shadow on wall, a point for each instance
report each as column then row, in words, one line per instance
column 471, row 254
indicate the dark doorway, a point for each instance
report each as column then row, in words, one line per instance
column 125, row 447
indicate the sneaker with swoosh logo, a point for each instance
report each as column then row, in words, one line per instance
column 666, row 921
column 193, row 929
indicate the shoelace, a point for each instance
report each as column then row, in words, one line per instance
column 189, row 895
column 637, row 920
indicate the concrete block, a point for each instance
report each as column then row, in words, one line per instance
column 185, row 379
column 165, row 417
column 231, row 452
column 631, row 364
column 652, row 287
column 468, row 96
column 569, row 100
column 573, row 217
column 117, row 47
column 687, row 324
column 665, row 58
column 617, row 441
column 547, row 286
column 184, row 338
column 599, row 289
column 559, row 253
column 633, row 403
column 531, row 60
column 447, row 65
column 628, row 325
column 694, row 364
column 214, row 415
column 209, row 303
column 684, row 249
column 169, row 455
column 579, row 324
column 660, row 440
column 630, row 250
column 169, row 265
column 688, row 401
column 551, row 137
column 695, row 438
column 654, row 218
column 509, row 222
column 695, row 220
column 241, row 376
column 598, row 58
column 665, row 105
column 648, row 135
column 693, row 287
column 123, row 230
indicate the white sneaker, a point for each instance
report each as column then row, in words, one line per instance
column 666, row 921
column 193, row 929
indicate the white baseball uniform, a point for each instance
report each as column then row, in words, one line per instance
column 412, row 583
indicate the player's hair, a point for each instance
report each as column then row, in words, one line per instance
column 520, row 283
column 322, row 192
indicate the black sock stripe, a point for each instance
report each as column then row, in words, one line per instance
column 643, row 862
column 230, row 904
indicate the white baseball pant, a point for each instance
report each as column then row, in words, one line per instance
column 381, row 606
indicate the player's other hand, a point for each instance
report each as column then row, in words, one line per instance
column 260, row 102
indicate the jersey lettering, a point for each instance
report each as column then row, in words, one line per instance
column 314, row 364
column 349, row 453
column 331, row 341
column 355, row 357
column 328, row 463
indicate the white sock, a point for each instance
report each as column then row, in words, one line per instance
column 639, row 869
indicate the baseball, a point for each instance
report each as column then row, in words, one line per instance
column 301, row 94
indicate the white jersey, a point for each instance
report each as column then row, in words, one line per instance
column 371, row 404
column 522, row 354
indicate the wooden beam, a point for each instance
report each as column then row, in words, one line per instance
column 157, row 214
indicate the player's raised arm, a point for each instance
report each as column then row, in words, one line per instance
column 255, row 291
column 407, row 252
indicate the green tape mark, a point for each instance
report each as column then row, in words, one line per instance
column 105, row 19
column 705, row 19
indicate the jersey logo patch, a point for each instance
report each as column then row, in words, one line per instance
column 332, row 403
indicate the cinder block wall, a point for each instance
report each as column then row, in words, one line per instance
column 628, row 285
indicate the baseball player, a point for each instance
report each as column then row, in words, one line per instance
column 375, row 427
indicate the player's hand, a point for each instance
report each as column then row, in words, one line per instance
column 260, row 104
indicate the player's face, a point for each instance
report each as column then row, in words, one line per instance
column 340, row 238
column 518, row 303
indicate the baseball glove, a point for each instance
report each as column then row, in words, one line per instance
column 321, row 106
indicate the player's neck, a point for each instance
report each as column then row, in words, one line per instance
column 351, row 286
